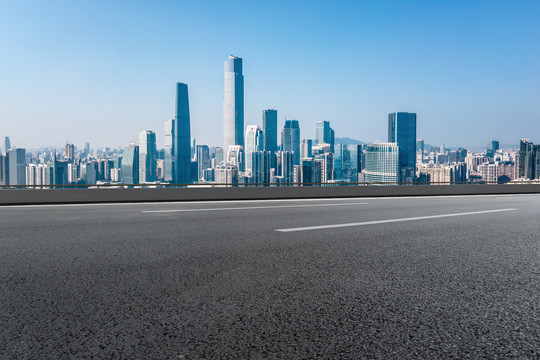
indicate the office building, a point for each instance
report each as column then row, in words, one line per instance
column 233, row 104
column 69, row 152
column 285, row 166
column 182, row 137
column 402, row 130
column 346, row 162
column 492, row 148
column 226, row 174
column 203, row 160
column 147, row 157
column 269, row 129
column 306, row 148
column 325, row 134
column 17, row 167
column 382, row 163
column 290, row 139
column 130, row 165
column 4, row 169
column 7, row 145
column 254, row 142
column 260, row 167
column 169, row 152
column 235, row 156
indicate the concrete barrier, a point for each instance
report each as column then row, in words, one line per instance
column 81, row 196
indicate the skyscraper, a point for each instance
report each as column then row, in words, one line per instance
column 270, row 130
column 325, row 134
column 7, row 145
column 382, row 163
column 306, row 148
column 4, row 169
column 17, row 167
column 492, row 148
column 170, row 159
column 203, row 160
column 233, row 104
column 147, row 156
column 254, row 142
column 130, row 165
column 182, row 137
column 290, row 139
column 402, row 130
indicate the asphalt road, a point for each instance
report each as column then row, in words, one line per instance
column 406, row 278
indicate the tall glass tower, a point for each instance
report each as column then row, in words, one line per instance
column 233, row 104
column 130, row 165
column 270, row 130
column 182, row 137
column 290, row 139
column 402, row 130
column 325, row 134
column 147, row 156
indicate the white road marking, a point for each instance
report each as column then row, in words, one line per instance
column 250, row 207
column 318, row 227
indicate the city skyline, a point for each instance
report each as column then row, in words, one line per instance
column 453, row 78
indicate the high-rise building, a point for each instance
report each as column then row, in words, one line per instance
column 306, row 150
column 285, row 167
column 235, row 156
column 17, row 167
column 69, row 152
column 307, row 173
column 325, row 134
column 260, row 167
column 492, row 148
column 4, row 169
column 254, row 142
column 130, row 165
column 182, row 137
column 382, row 163
column 290, row 139
column 226, row 174
column 233, row 104
column 270, row 130
column 7, row 145
column 147, row 156
column 86, row 149
column 346, row 162
column 203, row 160
column 402, row 130
column 170, row 159
column 420, row 150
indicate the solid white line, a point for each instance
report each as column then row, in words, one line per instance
column 249, row 208
column 389, row 220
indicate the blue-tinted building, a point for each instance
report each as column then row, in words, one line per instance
column 169, row 151
column 402, row 130
column 346, row 165
column 290, row 139
column 17, row 167
column 325, row 134
column 270, row 132
column 130, row 165
column 182, row 137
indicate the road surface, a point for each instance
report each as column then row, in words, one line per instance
column 391, row 278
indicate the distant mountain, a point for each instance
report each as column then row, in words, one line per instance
column 348, row 141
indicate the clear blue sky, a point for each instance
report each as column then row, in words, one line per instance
column 101, row 71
